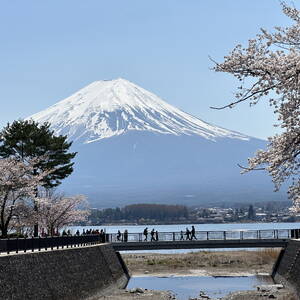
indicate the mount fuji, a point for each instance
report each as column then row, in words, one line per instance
column 133, row 147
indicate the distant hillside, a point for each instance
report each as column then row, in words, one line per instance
column 134, row 147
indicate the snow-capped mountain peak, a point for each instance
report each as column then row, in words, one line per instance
column 113, row 107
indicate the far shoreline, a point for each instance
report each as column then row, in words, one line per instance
column 184, row 223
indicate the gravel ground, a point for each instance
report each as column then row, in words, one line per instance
column 201, row 264
column 283, row 294
column 138, row 295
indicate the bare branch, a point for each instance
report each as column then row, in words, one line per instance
column 251, row 169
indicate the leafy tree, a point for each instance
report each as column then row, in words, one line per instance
column 251, row 213
column 27, row 139
column 135, row 212
column 17, row 184
column 56, row 211
column 269, row 67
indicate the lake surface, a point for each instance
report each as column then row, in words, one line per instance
column 190, row 286
column 184, row 287
column 198, row 227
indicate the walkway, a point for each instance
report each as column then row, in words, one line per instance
column 205, row 239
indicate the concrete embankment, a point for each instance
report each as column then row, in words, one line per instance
column 67, row 274
column 287, row 269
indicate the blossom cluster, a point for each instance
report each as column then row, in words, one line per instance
column 269, row 67
column 24, row 203
column 56, row 211
column 18, row 185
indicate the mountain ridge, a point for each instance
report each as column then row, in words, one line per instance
column 112, row 107
column 133, row 147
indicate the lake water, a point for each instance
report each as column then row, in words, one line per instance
column 184, row 287
column 198, row 227
column 190, row 286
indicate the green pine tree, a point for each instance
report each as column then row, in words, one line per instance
column 28, row 139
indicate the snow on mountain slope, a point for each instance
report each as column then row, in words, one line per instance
column 112, row 107
column 133, row 148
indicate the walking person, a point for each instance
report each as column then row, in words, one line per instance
column 187, row 233
column 152, row 233
column 119, row 235
column 145, row 234
column 193, row 231
column 125, row 235
column 181, row 235
column 102, row 236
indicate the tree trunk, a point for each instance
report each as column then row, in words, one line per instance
column 36, row 225
column 4, row 232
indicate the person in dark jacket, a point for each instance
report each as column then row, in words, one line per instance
column 187, row 233
column 125, row 235
column 181, row 235
column 193, row 232
column 119, row 235
column 152, row 233
column 145, row 234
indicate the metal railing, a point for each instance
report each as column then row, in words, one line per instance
column 206, row 235
column 17, row 245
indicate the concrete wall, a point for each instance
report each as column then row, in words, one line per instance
column 76, row 273
column 288, row 268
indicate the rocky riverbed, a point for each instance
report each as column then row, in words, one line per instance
column 204, row 263
column 139, row 294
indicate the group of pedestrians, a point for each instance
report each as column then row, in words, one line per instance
column 90, row 231
column 124, row 237
column 190, row 234
column 153, row 234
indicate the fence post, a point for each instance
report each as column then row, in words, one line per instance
column 292, row 233
column 207, row 236
column 173, row 236
column 224, row 235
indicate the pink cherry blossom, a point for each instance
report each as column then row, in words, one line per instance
column 269, row 68
column 18, row 188
column 56, row 211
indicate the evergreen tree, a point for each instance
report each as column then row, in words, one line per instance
column 27, row 139
column 251, row 212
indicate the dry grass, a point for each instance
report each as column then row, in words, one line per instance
column 254, row 261
column 268, row 254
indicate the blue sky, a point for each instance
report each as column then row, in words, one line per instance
column 50, row 49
